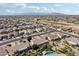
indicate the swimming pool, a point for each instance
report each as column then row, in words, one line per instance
column 50, row 53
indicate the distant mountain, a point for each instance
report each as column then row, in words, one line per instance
column 38, row 13
column 34, row 13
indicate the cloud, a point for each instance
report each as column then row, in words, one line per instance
column 2, row 4
column 14, row 5
column 69, row 12
column 66, row 10
column 14, row 8
column 42, row 9
column 21, row 8
column 20, row 5
column 10, row 11
column 52, row 10
column 48, row 10
column 74, row 12
column 34, row 7
column 38, row 8
column 58, row 5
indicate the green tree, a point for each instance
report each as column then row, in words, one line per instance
column 67, row 50
column 46, row 47
column 29, row 40
column 35, row 46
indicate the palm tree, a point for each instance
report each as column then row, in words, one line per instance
column 22, row 34
column 29, row 40
column 12, row 35
column 51, row 44
column 17, row 30
column 47, row 38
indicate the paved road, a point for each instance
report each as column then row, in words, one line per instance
column 19, row 38
column 71, row 34
column 53, row 30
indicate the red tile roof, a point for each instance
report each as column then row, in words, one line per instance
column 2, row 51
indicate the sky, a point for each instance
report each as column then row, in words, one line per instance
column 20, row 8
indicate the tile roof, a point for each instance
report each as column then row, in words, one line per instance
column 2, row 51
column 74, row 40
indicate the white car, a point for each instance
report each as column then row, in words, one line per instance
column 24, row 35
column 59, row 29
column 18, row 37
